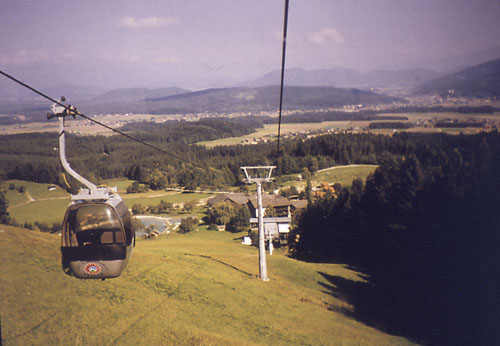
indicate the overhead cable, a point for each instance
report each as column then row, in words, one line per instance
column 285, row 25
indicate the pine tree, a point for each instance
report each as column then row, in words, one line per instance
column 4, row 214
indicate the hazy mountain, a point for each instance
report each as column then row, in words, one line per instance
column 347, row 78
column 457, row 62
column 214, row 100
column 137, row 94
column 72, row 92
column 478, row 81
column 12, row 91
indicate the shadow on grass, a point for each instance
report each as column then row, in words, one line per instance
column 221, row 262
column 424, row 313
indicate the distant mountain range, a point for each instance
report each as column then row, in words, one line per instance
column 301, row 92
column 176, row 101
column 482, row 80
column 234, row 100
column 347, row 78
column 136, row 94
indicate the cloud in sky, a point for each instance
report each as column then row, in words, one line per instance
column 149, row 22
column 325, row 36
column 24, row 57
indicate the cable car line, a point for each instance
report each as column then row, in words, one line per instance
column 283, row 54
column 73, row 111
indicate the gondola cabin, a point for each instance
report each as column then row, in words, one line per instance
column 97, row 236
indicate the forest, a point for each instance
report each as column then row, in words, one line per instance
column 34, row 157
column 424, row 230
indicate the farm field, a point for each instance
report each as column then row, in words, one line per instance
column 194, row 289
column 270, row 130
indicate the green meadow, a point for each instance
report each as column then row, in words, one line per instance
column 344, row 174
column 180, row 289
column 38, row 204
column 339, row 174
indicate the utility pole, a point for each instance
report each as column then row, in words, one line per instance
column 258, row 175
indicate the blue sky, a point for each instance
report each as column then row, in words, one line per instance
column 207, row 43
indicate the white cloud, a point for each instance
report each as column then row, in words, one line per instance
column 24, row 57
column 325, row 36
column 149, row 22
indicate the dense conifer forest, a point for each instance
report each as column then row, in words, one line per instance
column 425, row 232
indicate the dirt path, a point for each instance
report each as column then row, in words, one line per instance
column 30, row 199
column 336, row 167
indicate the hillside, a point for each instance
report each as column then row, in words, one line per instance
column 479, row 81
column 245, row 100
column 199, row 288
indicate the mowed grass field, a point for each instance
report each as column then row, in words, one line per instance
column 194, row 289
column 344, row 174
column 38, row 204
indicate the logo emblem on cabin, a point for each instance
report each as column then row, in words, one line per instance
column 92, row 268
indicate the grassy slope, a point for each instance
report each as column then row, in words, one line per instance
column 173, row 294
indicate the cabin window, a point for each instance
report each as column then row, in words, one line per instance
column 93, row 225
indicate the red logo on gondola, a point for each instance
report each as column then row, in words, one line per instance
column 92, row 268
